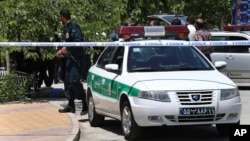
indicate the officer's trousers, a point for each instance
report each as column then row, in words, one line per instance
column 72, row 84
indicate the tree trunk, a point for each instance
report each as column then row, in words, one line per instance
column 8, row 62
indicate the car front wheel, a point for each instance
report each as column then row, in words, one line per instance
column 129, row 127
column 95, row 119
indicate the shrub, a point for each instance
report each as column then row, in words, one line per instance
column 13, row 87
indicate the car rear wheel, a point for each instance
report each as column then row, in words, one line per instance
column 95, row 119
column 129, row 127
column 223, row 129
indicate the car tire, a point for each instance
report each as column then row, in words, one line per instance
column 130, row 128
column 223, row 129
column 95, row 119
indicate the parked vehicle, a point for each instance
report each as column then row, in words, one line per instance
column 236, row 57
column 149, row 82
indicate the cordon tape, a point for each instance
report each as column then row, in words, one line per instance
column 105, row 44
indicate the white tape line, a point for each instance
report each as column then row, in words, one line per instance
column 105, row 44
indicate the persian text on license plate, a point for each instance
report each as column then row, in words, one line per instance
column 197, row 111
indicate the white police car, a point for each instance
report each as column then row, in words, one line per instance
column 236, row 57
column 158, row 82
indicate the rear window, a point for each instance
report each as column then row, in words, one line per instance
column 182, row 18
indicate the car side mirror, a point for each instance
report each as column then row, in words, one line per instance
column 112, row 67
column 220, row 64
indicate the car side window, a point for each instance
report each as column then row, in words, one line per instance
column 105, row 57
column 221, row 49
column 238, row 48
column 230, row 49
column 118, row 57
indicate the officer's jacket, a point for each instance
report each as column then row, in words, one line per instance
column 73, row 33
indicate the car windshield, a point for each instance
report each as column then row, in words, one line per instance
column 165, row 58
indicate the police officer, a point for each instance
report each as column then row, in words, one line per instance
column 75, row 62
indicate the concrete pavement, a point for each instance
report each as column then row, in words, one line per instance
column 38, row 120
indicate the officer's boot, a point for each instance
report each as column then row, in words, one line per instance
column 70, row 108
column 84, row 107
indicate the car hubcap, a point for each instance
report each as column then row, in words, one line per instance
column 91, row 109
column 126, row 120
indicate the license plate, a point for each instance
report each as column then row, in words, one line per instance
column 197, row 111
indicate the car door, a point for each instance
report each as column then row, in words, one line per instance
column 237, row 58
column 110, row 83
column 220, row 52
column 238, row 64
column 97, row 78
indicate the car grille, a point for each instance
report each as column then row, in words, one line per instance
column 185, row 98
column 196, row 118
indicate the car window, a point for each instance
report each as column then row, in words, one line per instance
column 230, row 49
column 165, row 59
column 105, row 57
column 170, row 18
column 118, row 57
column 222, row 49
column 238, row 48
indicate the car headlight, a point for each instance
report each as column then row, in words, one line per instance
column 228, row 94
column 155, row 95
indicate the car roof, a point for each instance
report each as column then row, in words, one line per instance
column 236, row 29
column 230, row 32
column 245, row 34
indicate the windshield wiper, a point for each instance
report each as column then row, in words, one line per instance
column 141, row 69
column 168, row 68
column 183, row 67
column 145, row 69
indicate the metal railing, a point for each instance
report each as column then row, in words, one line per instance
column 3, row 72
column 16, row 86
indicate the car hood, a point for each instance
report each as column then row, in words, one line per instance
column 183, row 80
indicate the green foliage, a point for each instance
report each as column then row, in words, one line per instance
column 13, row 88
column 38, row 20
column 218, row 11
column 26, row 21
column 138, row 10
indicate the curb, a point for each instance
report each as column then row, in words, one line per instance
column 75, row 133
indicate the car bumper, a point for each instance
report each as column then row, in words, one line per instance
column 155, row 113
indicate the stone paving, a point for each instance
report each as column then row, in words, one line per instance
column 36, row 121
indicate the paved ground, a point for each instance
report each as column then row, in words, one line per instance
column 38, row 120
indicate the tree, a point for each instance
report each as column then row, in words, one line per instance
column 38, row 20
column 218, row 11
column 28, row 21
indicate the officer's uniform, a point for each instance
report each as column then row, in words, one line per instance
column 76, row 59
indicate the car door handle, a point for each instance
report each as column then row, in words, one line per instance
column 230, row 57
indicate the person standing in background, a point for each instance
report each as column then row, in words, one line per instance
column 154, row 22
column 203, row 35
column 191, row 28
column 176, row 21
column 212, row 26
column 76, row 60
column 60, row 63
